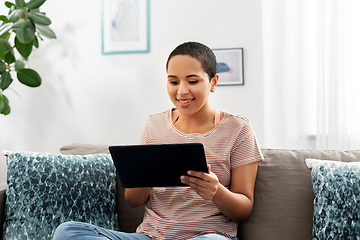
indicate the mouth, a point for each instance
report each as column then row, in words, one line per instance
column 185, row 101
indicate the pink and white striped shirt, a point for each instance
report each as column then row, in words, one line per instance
column 179, row 212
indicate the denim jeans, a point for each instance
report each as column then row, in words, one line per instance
column 78, row 230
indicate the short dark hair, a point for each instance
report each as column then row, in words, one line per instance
column 198, row 51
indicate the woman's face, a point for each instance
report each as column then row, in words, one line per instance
column 188, row 85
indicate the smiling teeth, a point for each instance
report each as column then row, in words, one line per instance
column 185, row 101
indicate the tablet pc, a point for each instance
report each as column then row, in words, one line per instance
column 158, row 165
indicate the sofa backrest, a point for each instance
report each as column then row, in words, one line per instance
column 283, row 205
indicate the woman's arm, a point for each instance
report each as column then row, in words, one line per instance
column 137, row 197
column 236, row 203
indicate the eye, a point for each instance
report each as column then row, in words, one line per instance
column 193, row 81
column 173, row 82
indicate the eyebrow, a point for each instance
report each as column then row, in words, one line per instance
column 172, row 76
column 188, row 76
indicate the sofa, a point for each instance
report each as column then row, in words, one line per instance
column 284, row 195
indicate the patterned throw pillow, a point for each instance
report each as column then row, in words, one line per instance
column 45, row 190
column 336, row 188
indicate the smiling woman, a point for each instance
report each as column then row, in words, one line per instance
column 206, row 203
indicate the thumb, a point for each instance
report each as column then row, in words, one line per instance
column 209, row 168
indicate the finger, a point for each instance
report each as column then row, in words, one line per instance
column 197, row 174
column 189, row 180
column 204, row 189
column 196, row 183
column 209, row 168
column 201, row 175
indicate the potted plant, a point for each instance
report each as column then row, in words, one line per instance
column 20, row 30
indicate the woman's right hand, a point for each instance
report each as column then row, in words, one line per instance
column 137, row 197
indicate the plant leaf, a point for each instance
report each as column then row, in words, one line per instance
column 24, row 49
column 7, row 110
column 6, row 80
column 29, row 77
column 6, row 37
column 12, row 8
column 35, row 4
column 35, row 10
column 39, row 18
column 2, row 67
column 24, row 30
column 4, row 48
column 19, row 65
column 10, row 56
column 20, row 3
column 46, row 31
column 4, row 19
column 5, row 28
column 4, row 104
column 15, row 15
column 9, row 4
column 36, row 42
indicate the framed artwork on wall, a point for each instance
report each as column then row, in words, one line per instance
column 230, row 66
column 125, row 26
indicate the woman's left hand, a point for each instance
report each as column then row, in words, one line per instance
column 205, row 184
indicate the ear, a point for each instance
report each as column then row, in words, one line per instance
column 214, row 82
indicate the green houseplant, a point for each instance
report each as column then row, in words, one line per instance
column 20, row 30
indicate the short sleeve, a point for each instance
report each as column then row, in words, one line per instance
column 245, row 149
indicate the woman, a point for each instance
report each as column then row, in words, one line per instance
column 214, row 202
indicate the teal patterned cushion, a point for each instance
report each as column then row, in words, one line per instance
column 336, row 188
column 45, row 190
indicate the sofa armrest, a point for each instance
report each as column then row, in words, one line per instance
column 2, row 207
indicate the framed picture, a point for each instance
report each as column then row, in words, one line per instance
column 125, row 26
column 230, row 66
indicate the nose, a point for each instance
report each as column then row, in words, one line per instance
column 183, row 88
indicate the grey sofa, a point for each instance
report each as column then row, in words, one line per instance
column 284, row 196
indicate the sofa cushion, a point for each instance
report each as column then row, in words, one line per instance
column 128, row 218
column 283, row 203
column 336, row 187
column 45, row 190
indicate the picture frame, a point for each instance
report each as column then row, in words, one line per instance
column 125, row 26
column 230, row 66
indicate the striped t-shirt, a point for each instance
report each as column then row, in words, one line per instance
column 179, row 212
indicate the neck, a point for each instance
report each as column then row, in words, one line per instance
column 200, row 122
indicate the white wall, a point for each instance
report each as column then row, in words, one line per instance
column 87, row 97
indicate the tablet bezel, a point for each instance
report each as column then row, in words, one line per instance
column 157, row 165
